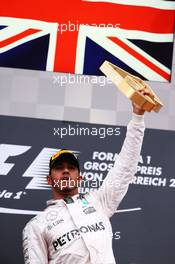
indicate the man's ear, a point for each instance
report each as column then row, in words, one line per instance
column 49, row 180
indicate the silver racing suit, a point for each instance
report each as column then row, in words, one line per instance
column 79, row 232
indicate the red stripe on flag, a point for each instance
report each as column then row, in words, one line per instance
column 141, row 58
column 147, row 19
column 17, row 37
column 65, row 56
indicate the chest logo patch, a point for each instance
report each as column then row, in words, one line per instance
column 89, row 210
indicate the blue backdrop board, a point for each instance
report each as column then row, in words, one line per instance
column 143, row 226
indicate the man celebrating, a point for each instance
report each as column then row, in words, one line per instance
column 75, row 228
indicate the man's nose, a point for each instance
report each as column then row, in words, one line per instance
column 65, row 170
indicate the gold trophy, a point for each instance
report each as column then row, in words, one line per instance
column 131, row 86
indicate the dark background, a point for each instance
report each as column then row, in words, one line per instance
column 147, row 236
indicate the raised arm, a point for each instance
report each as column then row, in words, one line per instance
column 116, row 183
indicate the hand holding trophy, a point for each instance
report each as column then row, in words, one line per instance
column 133, row 87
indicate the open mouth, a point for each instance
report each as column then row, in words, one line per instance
column 66, row 178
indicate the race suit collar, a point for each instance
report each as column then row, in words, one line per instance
column 62, row 201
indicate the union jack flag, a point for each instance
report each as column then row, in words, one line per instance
column 77, row 36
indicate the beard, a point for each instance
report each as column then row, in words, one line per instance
column 66, row 190
column 65, row 185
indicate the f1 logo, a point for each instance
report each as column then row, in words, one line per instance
column 38, row 169
column 6, row 151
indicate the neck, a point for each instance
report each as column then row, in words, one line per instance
column 62, row 195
